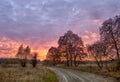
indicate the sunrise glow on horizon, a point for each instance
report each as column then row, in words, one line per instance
column 40, row 23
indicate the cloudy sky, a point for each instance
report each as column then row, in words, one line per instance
column 39, row 23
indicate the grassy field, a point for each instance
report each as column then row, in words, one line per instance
column 15, row 73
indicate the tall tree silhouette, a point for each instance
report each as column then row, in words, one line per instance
column 69, row 43
column 34, row 60
column 22, row 54
column 53, row 55
column 98, row 51
column 110, row 34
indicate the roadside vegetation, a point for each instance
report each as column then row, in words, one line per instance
column 15, row 73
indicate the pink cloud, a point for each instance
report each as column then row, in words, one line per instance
column 9, row 47
column 97, row 21
column 90, row 37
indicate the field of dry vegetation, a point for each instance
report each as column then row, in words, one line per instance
column 15, row 73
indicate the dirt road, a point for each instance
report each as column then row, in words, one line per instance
column 66, row 75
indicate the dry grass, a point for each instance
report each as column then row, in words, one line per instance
column 15, row 73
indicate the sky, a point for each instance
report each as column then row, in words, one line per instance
column 40, row 23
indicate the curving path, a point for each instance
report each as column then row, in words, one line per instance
column 66, row 75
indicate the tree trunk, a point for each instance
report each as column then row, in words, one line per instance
column 75, row 62
column 117, row 50
column 98, row 63
column 71, row 60
column 67, row 61
column 70, row 53
column 115, row 43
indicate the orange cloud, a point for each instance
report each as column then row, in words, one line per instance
column 9, row 47
column 41, row 53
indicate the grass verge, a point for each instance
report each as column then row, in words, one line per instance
column 15, row 73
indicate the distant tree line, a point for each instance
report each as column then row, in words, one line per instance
column 24, row 54
column 9, row 61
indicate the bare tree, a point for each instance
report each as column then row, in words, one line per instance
column 98, row 52
column 110, row 34
column 64, row 53
column 34, row 60
column 53, row 55
column 79, row 54
column 70, row 49
column 69, row 44
column 20, row 51
column 22, row 54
